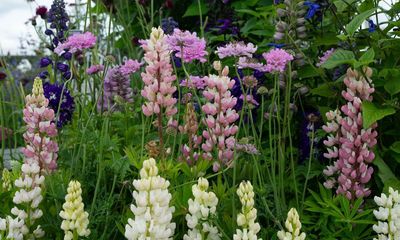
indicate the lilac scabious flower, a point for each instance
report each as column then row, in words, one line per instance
column 64, row 108
column 130, row 66
column 116, row 87
column 236, row 49
column 247, row 148
column 220, row 118
column 349, row 143
column 95, row 69
column 325, row 57
column 77, row 43
column 277, row 59
column 252, row 63
column 168, row 25
column 195, row 82
column 187, row 45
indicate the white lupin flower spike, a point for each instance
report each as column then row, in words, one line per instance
column 75, row 219
column 201, row 209
column 247, row 218
column 152, row 212
column 293, row 227
column 388, row 216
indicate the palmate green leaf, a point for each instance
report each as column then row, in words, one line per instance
column 339, row 57
column 372, row 113
column 193, row 9
column 352, row 26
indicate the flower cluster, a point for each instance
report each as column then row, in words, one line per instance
column 152, row 212
column 247, row 218
column 201, row 210
column 190, row 152
column 277, row 59
column 388, row 215
column 39, row 119
column 6, row 180
column 40, row 156
column 117, row 86
column 195, row 82
column 61, row 101
column 291, row 27
column 168, row 25
column 75, row 219
column 130, row 66
column 236, row 49
column 220, row 118
column 325, row 57
column 293, row 227
column 57, row 19
column 95, row 69
column 349, row 142
column 76, row 43
column 187, row 45
column 158, row 76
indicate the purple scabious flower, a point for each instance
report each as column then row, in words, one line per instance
column 116, row 87
column 94, row 69
column 277, row 59
column 64, row 108
column 168, row 25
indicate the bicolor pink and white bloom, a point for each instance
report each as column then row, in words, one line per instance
column 277, row 59
column 325, row 57
column 349, row 143
column 95, row 69
column 236, row 49
column 220, row 118
column 40, row 131
column 158, row 77
column 188, row 46
column 40, row 157
column 77, row 43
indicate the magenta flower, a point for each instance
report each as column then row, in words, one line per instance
column 220, row 118
column 77, row 43
column 277, row 59
column 187, row 45
column 130, row 66
column 94, row 69
column 236, row 49
column 325, row 57
column 40, row 130
column 349, row 144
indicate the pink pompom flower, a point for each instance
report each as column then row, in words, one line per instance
column 277, row 59
column 187, row 46
column 236, row 49
column 130, row 66
column 95, row 69
column 77, row 43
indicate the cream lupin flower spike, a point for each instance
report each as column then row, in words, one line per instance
column 76, row 220
column 293, row 226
